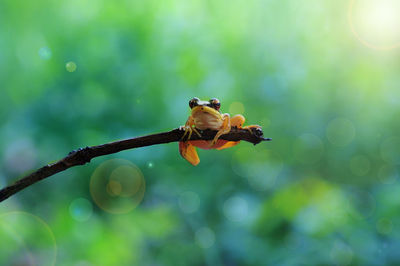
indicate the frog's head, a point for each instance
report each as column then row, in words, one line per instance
column 212, row 103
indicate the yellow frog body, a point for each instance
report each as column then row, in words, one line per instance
column 206, row 115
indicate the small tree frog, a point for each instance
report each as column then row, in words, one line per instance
column 207, row 115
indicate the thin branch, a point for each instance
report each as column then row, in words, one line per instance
column 83, row 156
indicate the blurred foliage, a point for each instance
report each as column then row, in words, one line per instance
column 85, row 72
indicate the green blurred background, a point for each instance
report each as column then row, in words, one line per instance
column 321, row 77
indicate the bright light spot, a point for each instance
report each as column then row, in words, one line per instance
column 376, row 23
column 388, row 174
column 26, row 240
column 205, row 237
column 236, row 108
column 126, row 180
column 360, row 165
column 384, row 226
column 150, row 164
column 81, row 209
column 70, row 66
column 117, row 186
column 235, row 209
column 308, row 148
column 45, row 53
column 189, row 202
column 114, row 188
column 340, row 132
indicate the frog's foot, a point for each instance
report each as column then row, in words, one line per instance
column 238, row 121
column 188, row 151
column 189, row 131
column 250, row 128
column 235, row 121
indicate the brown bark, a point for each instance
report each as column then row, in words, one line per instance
column 84, row 155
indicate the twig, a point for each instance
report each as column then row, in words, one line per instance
column 83, row 156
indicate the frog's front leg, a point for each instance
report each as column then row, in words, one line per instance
column 189, row 127
column 236, row 121
column 225, row 128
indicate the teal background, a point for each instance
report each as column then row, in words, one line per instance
column 325, row 191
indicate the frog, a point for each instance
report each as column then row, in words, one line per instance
column 207, row 115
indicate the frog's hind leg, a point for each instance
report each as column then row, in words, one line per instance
column 188, row 151
column 226, row 127
column 238, row 121
column 235, row 121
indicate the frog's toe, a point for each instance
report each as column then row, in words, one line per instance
column 213, row 142
column 250, row 128
column 197, row 132
column 188, row 130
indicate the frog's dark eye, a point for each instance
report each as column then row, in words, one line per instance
column 193, row 102
column 215, row 103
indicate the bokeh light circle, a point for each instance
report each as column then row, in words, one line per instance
column 189, row 202
column 45, row 53
column 26, row 240
column 236, row 108
column 236, row 209
column 117, row 186
column 375, row 23
column 340, row 132
column 81, row 209
column 70, row 66
column 205, row 237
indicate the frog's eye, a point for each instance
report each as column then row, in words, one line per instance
column 215, row 103
column 193, row 102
